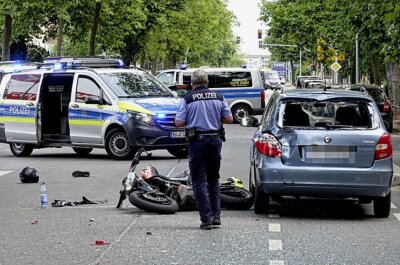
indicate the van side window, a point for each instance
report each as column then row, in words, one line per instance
column 187, row 78
column 86, row 87
column 22, row 87
column 233, row 79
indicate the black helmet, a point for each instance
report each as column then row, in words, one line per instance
column 28, row 175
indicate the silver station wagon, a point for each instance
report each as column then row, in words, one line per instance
column 318, row 143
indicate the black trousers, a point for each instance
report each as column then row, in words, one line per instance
column 204, row 164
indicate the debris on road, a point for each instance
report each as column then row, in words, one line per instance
column 100, row 243
column 81, row 174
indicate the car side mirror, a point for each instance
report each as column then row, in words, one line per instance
column 92, row 100
column 249, row 121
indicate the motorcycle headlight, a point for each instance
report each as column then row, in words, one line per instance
column 142, row 117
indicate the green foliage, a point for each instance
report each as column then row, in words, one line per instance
column 336, row 22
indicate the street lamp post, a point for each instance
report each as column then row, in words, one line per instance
column 357, row 70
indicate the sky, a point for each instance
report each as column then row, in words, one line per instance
column 247, row 13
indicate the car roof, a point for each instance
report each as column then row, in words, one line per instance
column 320, row 94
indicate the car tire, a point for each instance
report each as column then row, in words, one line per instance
column 390, row 128
column 382, row 206
column 240, row 111
column 261, row 202
column 117, row 145
column 82, row 151
column 21, row 150
column 179, row 152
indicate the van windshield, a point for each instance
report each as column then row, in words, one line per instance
column 135, row 85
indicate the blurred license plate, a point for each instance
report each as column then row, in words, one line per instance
column 177, row 134
column 324, row 152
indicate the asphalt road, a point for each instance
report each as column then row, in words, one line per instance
column 295, row 232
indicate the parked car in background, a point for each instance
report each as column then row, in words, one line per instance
column 242, row 88
column 300, row 80
column 313, row 84
column 283, row 80
column 381, row 100
column 271, row 79
column 316, row 143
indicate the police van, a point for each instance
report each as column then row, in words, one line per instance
column 88, row 103
column 242, row 88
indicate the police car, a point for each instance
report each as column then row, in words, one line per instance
column 88, row 103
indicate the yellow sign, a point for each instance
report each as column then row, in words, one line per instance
column 336, row 66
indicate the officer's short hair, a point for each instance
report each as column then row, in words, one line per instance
column 199, row 77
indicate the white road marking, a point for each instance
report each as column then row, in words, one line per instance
column 397, row 215
column 274, row 227
column 275, row 244
column 393, row 206
column 273, row 215
column 4, row 172
column 276, row 262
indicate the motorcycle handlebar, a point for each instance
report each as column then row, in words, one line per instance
column 136, row 159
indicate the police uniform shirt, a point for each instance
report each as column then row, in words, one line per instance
column 203, row 109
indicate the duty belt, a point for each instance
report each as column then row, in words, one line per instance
column 208, row 136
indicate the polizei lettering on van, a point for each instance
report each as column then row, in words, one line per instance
column 206, row 95
column 18, row 110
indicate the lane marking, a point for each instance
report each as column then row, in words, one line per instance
column 275, row 244
column 173, row 169
column 118, row 239
column 393, row 206
column 397, row 215
column 273, row 215
column 276, row 262
column 274, row 227
column 4, row 172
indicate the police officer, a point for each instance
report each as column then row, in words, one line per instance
column 202, row 111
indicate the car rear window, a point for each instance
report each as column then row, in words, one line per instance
column 377, row 95
column 331, row 114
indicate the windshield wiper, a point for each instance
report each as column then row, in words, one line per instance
column 330, row 126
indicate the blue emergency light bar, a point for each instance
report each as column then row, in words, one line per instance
column 62, row 63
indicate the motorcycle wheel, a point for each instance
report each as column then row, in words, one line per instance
column 153, row 202
column 236, row 199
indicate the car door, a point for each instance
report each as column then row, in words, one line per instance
column 20, row 108
column 85, row 114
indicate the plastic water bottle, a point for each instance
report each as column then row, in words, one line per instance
column 43, row 196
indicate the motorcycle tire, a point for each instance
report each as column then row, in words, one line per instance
column 153, row 202
column 238, row 199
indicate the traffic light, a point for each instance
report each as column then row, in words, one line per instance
column 260, row 33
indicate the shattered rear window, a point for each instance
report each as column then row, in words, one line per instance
column 329, row 114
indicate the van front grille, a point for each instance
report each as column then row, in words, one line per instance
column 167, row 122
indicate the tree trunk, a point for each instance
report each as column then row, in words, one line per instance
column 393, row 78
column 5, row 56
column 60, row 35
column 375, row 70
column 96, row 18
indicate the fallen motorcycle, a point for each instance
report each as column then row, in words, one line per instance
column 232, row 192
column 142, row 195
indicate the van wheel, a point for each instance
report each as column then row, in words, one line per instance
column 179, row 152
column 82, row 151
column 117, row 145
column 239, row 112
column 21, row 150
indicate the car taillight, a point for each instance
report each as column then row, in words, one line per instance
column 383, row 148
column 268, row 145
column 387, row 107
column 263, row 99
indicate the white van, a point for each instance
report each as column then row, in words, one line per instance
column 242, row 88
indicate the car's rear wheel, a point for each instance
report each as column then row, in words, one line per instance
column 240, row 111
column 117, row 145
column 382, row 206
column 21, row 150
column 261, row 201
column 82, row 151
